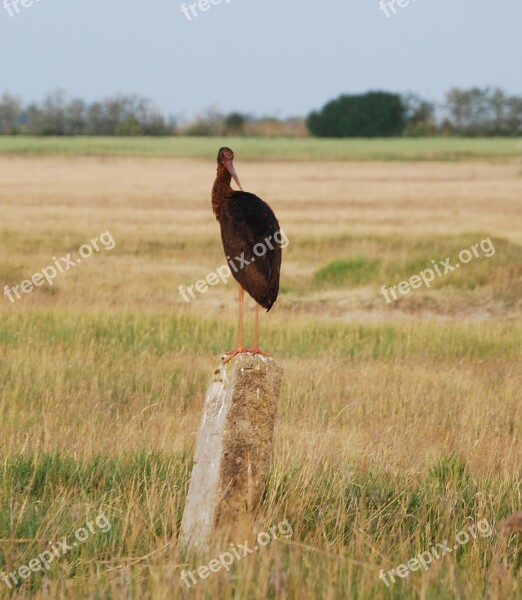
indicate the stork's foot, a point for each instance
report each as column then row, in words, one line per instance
column 240, row 350
column 233, row 353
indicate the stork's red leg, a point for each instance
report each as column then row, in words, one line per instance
column 239, row 349
column 255, row 349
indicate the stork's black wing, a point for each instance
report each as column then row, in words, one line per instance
column 248, row 229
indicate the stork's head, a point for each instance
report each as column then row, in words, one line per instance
column 225, row 158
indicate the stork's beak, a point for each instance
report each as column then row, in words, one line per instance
column 230, row 168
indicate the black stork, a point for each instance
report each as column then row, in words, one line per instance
column 250, row 233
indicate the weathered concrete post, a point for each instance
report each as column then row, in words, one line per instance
column 234, row 446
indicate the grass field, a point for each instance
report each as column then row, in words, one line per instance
column 425, row 149
column 399, row 424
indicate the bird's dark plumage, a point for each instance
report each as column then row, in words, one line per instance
column 248, row 229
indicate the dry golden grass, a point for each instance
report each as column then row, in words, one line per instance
column 399, row 425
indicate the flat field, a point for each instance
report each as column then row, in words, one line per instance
column 399, row 424
column 256, row 149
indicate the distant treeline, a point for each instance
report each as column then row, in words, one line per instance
column 127, row 115
column 61, row 116
column 473, row 112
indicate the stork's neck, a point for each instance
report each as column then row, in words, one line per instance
column 221, row 190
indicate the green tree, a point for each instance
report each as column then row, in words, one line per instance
column 235, row 124
column 478, row 112
column 420, row 116
column 375, row 114
column 10, row 114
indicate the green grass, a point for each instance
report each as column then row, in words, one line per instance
column 402, row 149
column 354, row 271
column 388, row 259
column 48, row 489
column 146, row 335
column 392, row 259
column 78, row 379
column 375, row 505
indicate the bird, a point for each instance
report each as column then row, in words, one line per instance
column 251, row 238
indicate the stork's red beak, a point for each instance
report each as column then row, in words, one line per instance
column 230, row 168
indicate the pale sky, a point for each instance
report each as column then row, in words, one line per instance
column 266, row 57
